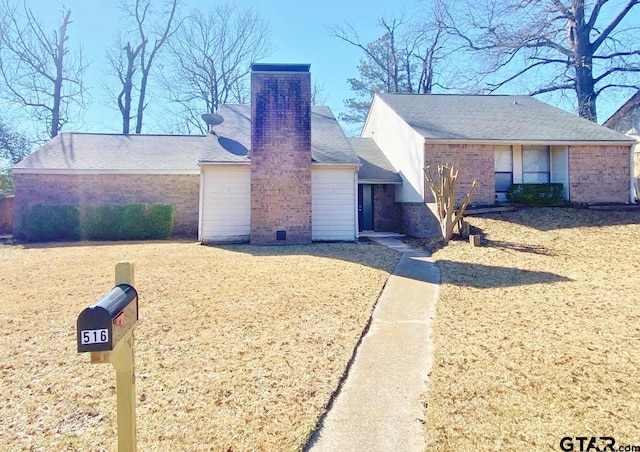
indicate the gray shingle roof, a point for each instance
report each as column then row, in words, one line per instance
column 496, row 117
column 107, row 152
column 375, row 168
column 181, row 153
column 328, row 142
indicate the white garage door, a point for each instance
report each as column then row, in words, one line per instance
column 226, row 203
column 333, row 214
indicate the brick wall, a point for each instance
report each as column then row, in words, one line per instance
column 280, row 154
column 474, row 161
column 387, row 213
column 419, row 221
column 599, row 174
column 181, row 191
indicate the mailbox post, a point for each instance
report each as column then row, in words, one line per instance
column 106, row 330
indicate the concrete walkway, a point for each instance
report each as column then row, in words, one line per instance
column 380, row 406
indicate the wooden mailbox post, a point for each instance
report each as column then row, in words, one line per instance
column 106, row 330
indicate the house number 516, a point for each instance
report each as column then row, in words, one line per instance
column 94, row 336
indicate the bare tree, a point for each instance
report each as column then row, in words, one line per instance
column 318, row 93
column 122, row 59
column 38, row 69
column 402, row 60
column 579, row 46
column 131, row 60
column 210, row 60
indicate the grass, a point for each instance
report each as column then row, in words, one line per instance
column 537, row 332
column 237, row 348
column 537, row 337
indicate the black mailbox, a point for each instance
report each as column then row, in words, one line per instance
column 103, row 325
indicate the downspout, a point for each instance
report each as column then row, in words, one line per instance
column 355, row 206
column 632, row 174
column 200, row 202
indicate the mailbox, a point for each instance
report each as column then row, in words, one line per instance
column 103, row 325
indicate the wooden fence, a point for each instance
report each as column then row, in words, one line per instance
column 6, row 215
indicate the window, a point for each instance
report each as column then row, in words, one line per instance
column 536, row 168
column 503, row 167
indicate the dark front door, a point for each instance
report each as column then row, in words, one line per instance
column 365, row 207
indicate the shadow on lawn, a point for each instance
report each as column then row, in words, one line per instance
column 365, row 253
column 551, row 218
column 488, row 276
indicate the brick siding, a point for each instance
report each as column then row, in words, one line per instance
column 474, row 161
column 280, row 157
column 181, row 191
column 418, row 221
column 387, row 213
column 599, row 174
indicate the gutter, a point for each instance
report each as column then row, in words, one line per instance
column 531, row 142
column 93, row 172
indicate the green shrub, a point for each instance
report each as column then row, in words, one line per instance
column 537, row 194
column 159, row 221
column 46, row 223
column 101, row 222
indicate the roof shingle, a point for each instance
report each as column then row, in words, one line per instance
column 494, row 118
column 375, row 168
column 181, row 153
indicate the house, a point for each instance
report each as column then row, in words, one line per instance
column 275, row 171
column 627, row 120
column 497, row 140
column 280, row 171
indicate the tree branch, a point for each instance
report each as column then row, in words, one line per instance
column 613, row 24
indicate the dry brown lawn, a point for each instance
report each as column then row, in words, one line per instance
column 237, row 348
column 537, row 333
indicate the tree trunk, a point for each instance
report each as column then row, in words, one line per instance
column 57, row 84
column 143, row 91
column 580, row 44
column 444, row 193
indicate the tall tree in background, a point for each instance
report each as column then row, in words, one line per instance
column 402, row 60
column 131, row 60
column 13, row 147
column 210, row 60
column 574, row 46
column 38, row 69
column 122, row 59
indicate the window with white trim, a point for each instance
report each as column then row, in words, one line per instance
column 503, row 167
column 536, row 164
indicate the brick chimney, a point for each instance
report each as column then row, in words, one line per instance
column 280, row 154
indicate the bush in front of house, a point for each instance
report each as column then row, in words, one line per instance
column 45, row 223
column 159, row 222
column 101, row 222
column 536, row 194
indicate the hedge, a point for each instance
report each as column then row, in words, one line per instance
column 101, row 222
column 538, row 194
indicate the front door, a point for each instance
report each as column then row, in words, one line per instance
column 365, row 207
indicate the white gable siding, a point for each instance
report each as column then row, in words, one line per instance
column 402, row 145
column 225, row 213
column 333, row 203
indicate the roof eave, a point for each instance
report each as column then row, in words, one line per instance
column 379, row 182
column 223, row 162
column 532, row 142
column 337, row 164
column 109, row 171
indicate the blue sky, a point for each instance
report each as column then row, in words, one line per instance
column 298, row 35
